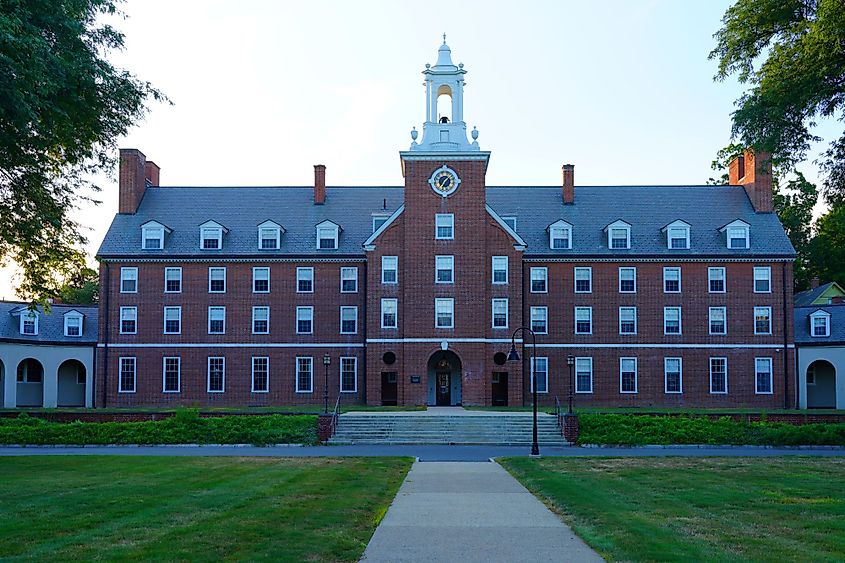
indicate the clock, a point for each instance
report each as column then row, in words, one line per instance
column 444, row 181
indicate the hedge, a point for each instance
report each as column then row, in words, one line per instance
column 186, row 427
column 636, row 430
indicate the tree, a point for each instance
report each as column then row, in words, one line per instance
column 62, row 108
column 792, row 53
column 83, row 288
column 827, row 249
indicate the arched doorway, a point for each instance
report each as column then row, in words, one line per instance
column 30, row 385
column 444, row 379
column 821, row 385
column 71, row 384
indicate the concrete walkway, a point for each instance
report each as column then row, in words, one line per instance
column 471, row 512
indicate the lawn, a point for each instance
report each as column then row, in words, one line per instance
column 697, row 509
column 142, row 508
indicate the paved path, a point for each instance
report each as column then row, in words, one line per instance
column 471, row 512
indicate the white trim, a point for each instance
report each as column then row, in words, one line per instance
column 618, row 225
column 328, row 226
column 681, row 225
column 768, row 278
column 560, row 225
column 771, row 390
column 635, row 322
column 450, row 258
column 820, row 314
column 178, row 374
column 451, row 302
column 305, row 270
column 270, row 226
column 575, row 368
column 520, row 243
column 493, row 270
column 255, row 270
column 545, row 319
column 135, row 320
column 710, row 375
column 340, row 374
column 636, row 378
column 252, row 259
column 395, row 303
column 618, row 259
column 438, row 341
column 178, row 309
column 310, row 319
column 128, row 270
column 710, row 321
column 355, row 279
column 369, row 244
column 310, row 374
column 493, row 313
column 394, row 269
column 621, row 268
column 208, row 375
column 451, row 225
column 545, row 279
column 252, row 379
column 215, row 308
column 680, row 376
column 353, row 308
column 262, row 307
column 173, row 269
column 724, row 279
column 223, row 268
column 769, row 332
column 660, row 345
column 120, row 388
column 72, row 315
column 680, row 322
column 575, row 314
column 672, row 268
column 589, row 270
column 252, row 345
column 545, row 391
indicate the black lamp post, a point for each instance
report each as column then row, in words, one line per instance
column 327, row 360
column 513, row 356
column 570, row 361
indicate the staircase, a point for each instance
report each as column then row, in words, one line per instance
column 446, row 426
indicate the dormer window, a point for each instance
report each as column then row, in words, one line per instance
column 510, row 221
column 327, row 235
column 379, row 220
column 560, row 236
column 619, row 235
column 29, row 323
column 152, row 235
column 269, row 236
column 737, row 235
column 211, row 236
column 820, row 324
column 677, row 235
column 73, row 323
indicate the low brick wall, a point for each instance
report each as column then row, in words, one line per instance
column 325, row 427
column 129, row 416
column 797, row 418
column 571, row 427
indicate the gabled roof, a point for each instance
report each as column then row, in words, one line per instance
column 735, row 223
column 616, row 224
column 51, row 327
column 673, row 224
column 325, row 224
column 269, row 223
column 370, row 243
column 819, row 295
column 558, row 223
column 801, row 317
column 215, row 224
column 156, row 224
column 520, row 244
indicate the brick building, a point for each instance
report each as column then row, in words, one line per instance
column 663, row 295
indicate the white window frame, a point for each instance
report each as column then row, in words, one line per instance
column 544, row 390
column 252, row 388
column 305, row 275
column 543, row 275
column 711, row 278
column 69, row 317
column 354, row 360
column 120, row 371
column 680, row 322
column 210, row 278
column 445, row 221
column 765, row 275
column 275, row 233
column 151, row 233
column 589, row 271
column 581, row 360
column 300, row 317
column 510, row 221
column 500, row 301
column 502, row 265
column 742, row 231
column 561, row 232
column 682, row 230
column 178, row 277
column 444, row 301
column 823, row 315
column 347, row 309
column 627, row 269
column 258, row 274
column 208, row 375
column 545, row 314
column 254, row 311
column 178, row 374
column 310, row 361
column 216, row 309
column 328, row 231
column 724, row 311
column 127, row 312
column 619, row 226
column 349, row 273
column 622, row 361
column 769, row 314
column 211, row 233
column 445, row 263
column 667, row 270
column 770, row 372
column 29, row 316
column 589, row 311
column 178, row 311
column 624, row 333
column 389, row 264
column 710, row 363
column 394, row 304
column 680, row 361
column 128, row 275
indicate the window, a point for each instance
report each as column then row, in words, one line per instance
column 173, row 280
column 216, row 374
column 737, row 237
column 677, row 237
column 217, row 280
column 269, row 236
column 445, row 269
column 583, row 375
column 304, row 374
column 128, row 320
column 305, row 280
column 539, row 319
column 349, row 280
column 261, row 320
column 327, row 235
column 444, row 313
column 716, row 280
column 73, row 324
column 762, row 279
column 30, row 371
column 627, row 280
column 820, row 324
column 539, row 279
column 583, row 280
column 260, row 374
column 560, row 236
column 348, row 320
column 718, row 375
column 216, row 320
column 671, row 280
column 627, row 375
column 126, row 378
column 583, row 320
column 510, row 222
column 627, row 320
column 379, row 220
column 672, row 377
column 444, row 226
column 171, row 382
column 348, row 374
column 762, row 320
column 718, row 320
column 152, row 237
column 500, row 313
column 500, row 270
column 261, row 280
column 389, row 308
column 304, row 320
column 671, row 320
column 389, row 269
column 763, row 376
column 129, row 280
column 211, row 236
column 29, row 323
column 172, row 320
column 540, row 371
column 619, row 235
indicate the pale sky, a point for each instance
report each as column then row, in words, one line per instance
column 263, row 90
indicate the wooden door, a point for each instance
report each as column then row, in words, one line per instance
column 389, row 389
column 444, row 389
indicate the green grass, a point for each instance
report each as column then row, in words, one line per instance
column 285, row 409
column 719, row 411
column 156, row 508
column 697, row 509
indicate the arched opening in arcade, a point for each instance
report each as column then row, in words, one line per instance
column 821, row 385
column 71, row 384
column 444, row 379
column 30, row 384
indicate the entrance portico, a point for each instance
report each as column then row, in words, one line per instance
column 444, row 379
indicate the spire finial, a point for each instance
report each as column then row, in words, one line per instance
column 444, row 38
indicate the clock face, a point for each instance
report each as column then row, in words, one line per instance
column 444, row 181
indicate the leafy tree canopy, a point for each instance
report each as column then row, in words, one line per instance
column 62, row 108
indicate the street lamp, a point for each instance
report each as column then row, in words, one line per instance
column 327, row 360
column 513, row 356
column 570, row 361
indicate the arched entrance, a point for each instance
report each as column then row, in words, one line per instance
column 444, row 379
column 821, row 385
column 30, row 385
column 71, row 384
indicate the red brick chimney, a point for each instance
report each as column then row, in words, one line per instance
column 132, row 180
column 753, row 171
column 152, row 173
column 319, row 184
column 568, row 183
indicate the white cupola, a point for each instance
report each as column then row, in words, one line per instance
column 444, row 129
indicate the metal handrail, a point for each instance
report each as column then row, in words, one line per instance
column 557, row 412
column 335, row 414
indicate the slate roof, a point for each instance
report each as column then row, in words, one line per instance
column 51, row 328
column 647, row 208
column 802, row 325
column 806, row 298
